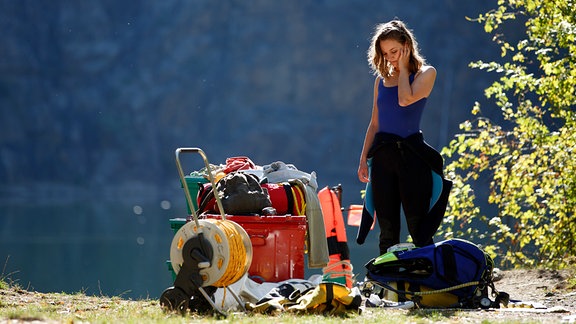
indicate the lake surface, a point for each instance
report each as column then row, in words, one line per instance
column 103, row 246
column 98, row 248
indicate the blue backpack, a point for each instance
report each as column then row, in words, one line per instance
column 456, row 268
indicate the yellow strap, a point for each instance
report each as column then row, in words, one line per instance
column 300, row 211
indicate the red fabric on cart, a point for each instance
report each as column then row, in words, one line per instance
column 238, row 163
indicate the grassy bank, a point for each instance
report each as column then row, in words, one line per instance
column 21, row 305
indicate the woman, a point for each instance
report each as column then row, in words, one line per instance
column 400, row 161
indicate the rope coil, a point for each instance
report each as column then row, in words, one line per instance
column 238, row 257
column 231, row 246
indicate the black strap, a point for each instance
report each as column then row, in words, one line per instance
column 333, row 247
column 206, row 195
column 289, row 197
column 344, row 251
column 329, row 296
column 401, row 292
column 414, row 286
column 449, row 261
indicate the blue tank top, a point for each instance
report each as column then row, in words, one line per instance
column 394, row 119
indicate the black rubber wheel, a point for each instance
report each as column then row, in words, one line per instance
column 174, row 299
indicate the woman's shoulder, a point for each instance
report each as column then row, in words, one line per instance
column 426, row 71
column 377, row 81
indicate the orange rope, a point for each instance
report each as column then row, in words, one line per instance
column 236, row 266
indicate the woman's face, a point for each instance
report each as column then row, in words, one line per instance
column 391, row 50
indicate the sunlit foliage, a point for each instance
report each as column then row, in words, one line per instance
column 526, row 161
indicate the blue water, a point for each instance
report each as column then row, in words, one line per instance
column 103, row 246
column 98, row 248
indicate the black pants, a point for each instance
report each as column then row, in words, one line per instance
column 400, row 178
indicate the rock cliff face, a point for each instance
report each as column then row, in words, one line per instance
column 102, row 92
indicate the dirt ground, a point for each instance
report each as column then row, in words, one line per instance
column 541, row 295
column 548, row 287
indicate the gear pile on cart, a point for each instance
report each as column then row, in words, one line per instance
column 251, row 230
column 248, row 233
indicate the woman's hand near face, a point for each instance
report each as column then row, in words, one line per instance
column 404, row 58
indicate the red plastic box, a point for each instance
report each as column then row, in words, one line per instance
column 277, row 245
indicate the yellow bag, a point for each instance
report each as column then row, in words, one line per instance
column 328, row 298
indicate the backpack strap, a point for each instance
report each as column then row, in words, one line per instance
column 449, row 261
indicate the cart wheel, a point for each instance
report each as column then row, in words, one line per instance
column 175, row 299
column 485, row 303
column 199, row 303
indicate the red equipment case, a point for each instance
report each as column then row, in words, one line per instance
column 278, row 245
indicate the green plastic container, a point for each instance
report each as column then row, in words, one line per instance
column 193, row 187
column 176, row 223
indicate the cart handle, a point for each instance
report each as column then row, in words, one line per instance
column 185, row 184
